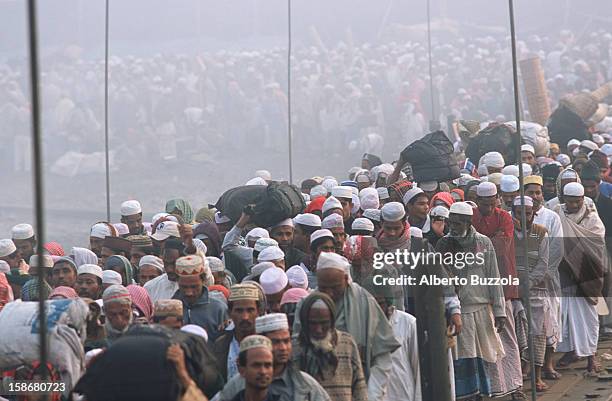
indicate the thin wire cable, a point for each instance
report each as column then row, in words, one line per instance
column 106, row 141
column 517, row 113
column 289, row 128
column 37, row 162
column 431, row 85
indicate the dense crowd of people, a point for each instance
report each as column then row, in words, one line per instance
column 195, row 305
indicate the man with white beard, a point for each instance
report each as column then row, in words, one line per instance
column 117, row 305
column 327, row 354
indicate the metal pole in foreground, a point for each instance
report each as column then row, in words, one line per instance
column 433, row 123
column 38, row 181
column 517, row 112
column 106, row 156
column 289, row 129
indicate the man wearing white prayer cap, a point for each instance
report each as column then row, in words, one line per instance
column 483, row 312
column 305, row 225
column 511, row 170
column 359, row 315
column 494, row 162
column 24, row 239
column 297, row 277
column 332, row 205
column 288, row 383
column 509, row 187
column 528, row 156
column 272, row 254
column 265, row 174
column 110, row 277
column 344, row 194
column 416, row 202
column 587, row 146
column 374, row 216
column 317, row 191
column 131, row 215
column 89, row 281
column 149, row 267
column 256, row 181
column 274, row 282
column 584, row 235
column 497, row 225
column 224, row 224
column 362, row 226
column 429, row 187
column 572, row 144
column 369, row 201
column 98, row 232
column 329, row 183
column 335, row 224
column 255, row 234
column 383, row 195
column 283, row 232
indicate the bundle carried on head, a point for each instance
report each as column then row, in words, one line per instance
column 495, row 137
column 432, row 158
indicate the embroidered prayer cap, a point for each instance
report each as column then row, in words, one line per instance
column 255, row 341
column 168, row 308
column 271, row 322
column 372, row 214
column 215, row 264
column 152, row 260
column 190, row 265
column 383, row 193
column 439, row 211
column 45, row 261
column 240, row 292
column 342, row 191
column 533, row 179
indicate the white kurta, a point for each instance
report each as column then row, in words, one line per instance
column 404, row 380
column 161, row 288
column 580, row 327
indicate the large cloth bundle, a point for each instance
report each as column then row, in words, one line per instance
column 535, row 135
column 273, row 203
column 564, row 125
column 66, row 323
column 495, row 137
column 432, row 158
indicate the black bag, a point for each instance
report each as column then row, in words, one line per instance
column 495, row 137
column 273, row 203
column 432, row 158
column 564, row 125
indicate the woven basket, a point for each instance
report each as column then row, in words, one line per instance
column 603, row 91
column 583, row 104
column 535, row 90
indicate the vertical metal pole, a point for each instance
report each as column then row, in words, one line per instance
column 289, row 128
column 431, row 85
column 106, row 156
column 517, row 113
column 38, row 180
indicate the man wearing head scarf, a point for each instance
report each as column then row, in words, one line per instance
column 149, row 267
column 359, row 315
column 563, row 178
column 182, row 208
column 117, row 304
column 327, row 354
column 483, row 311
column 581, row 272
column 244, row 306
column 288, row 382
column 283, row 232
column 122, row 266
column 141, row 304
column 208, row 233
column 198, row 307
column 552, row 223
column 497, row 225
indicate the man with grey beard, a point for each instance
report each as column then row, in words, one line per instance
column 117, row 304
column 327, row 354
column 482, row 307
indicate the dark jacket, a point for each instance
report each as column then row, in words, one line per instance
column 209, row 313
column 221, row 350
column 293, row 257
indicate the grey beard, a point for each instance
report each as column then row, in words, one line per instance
column 325, row 345
column 455, row 234
column 112, row 332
